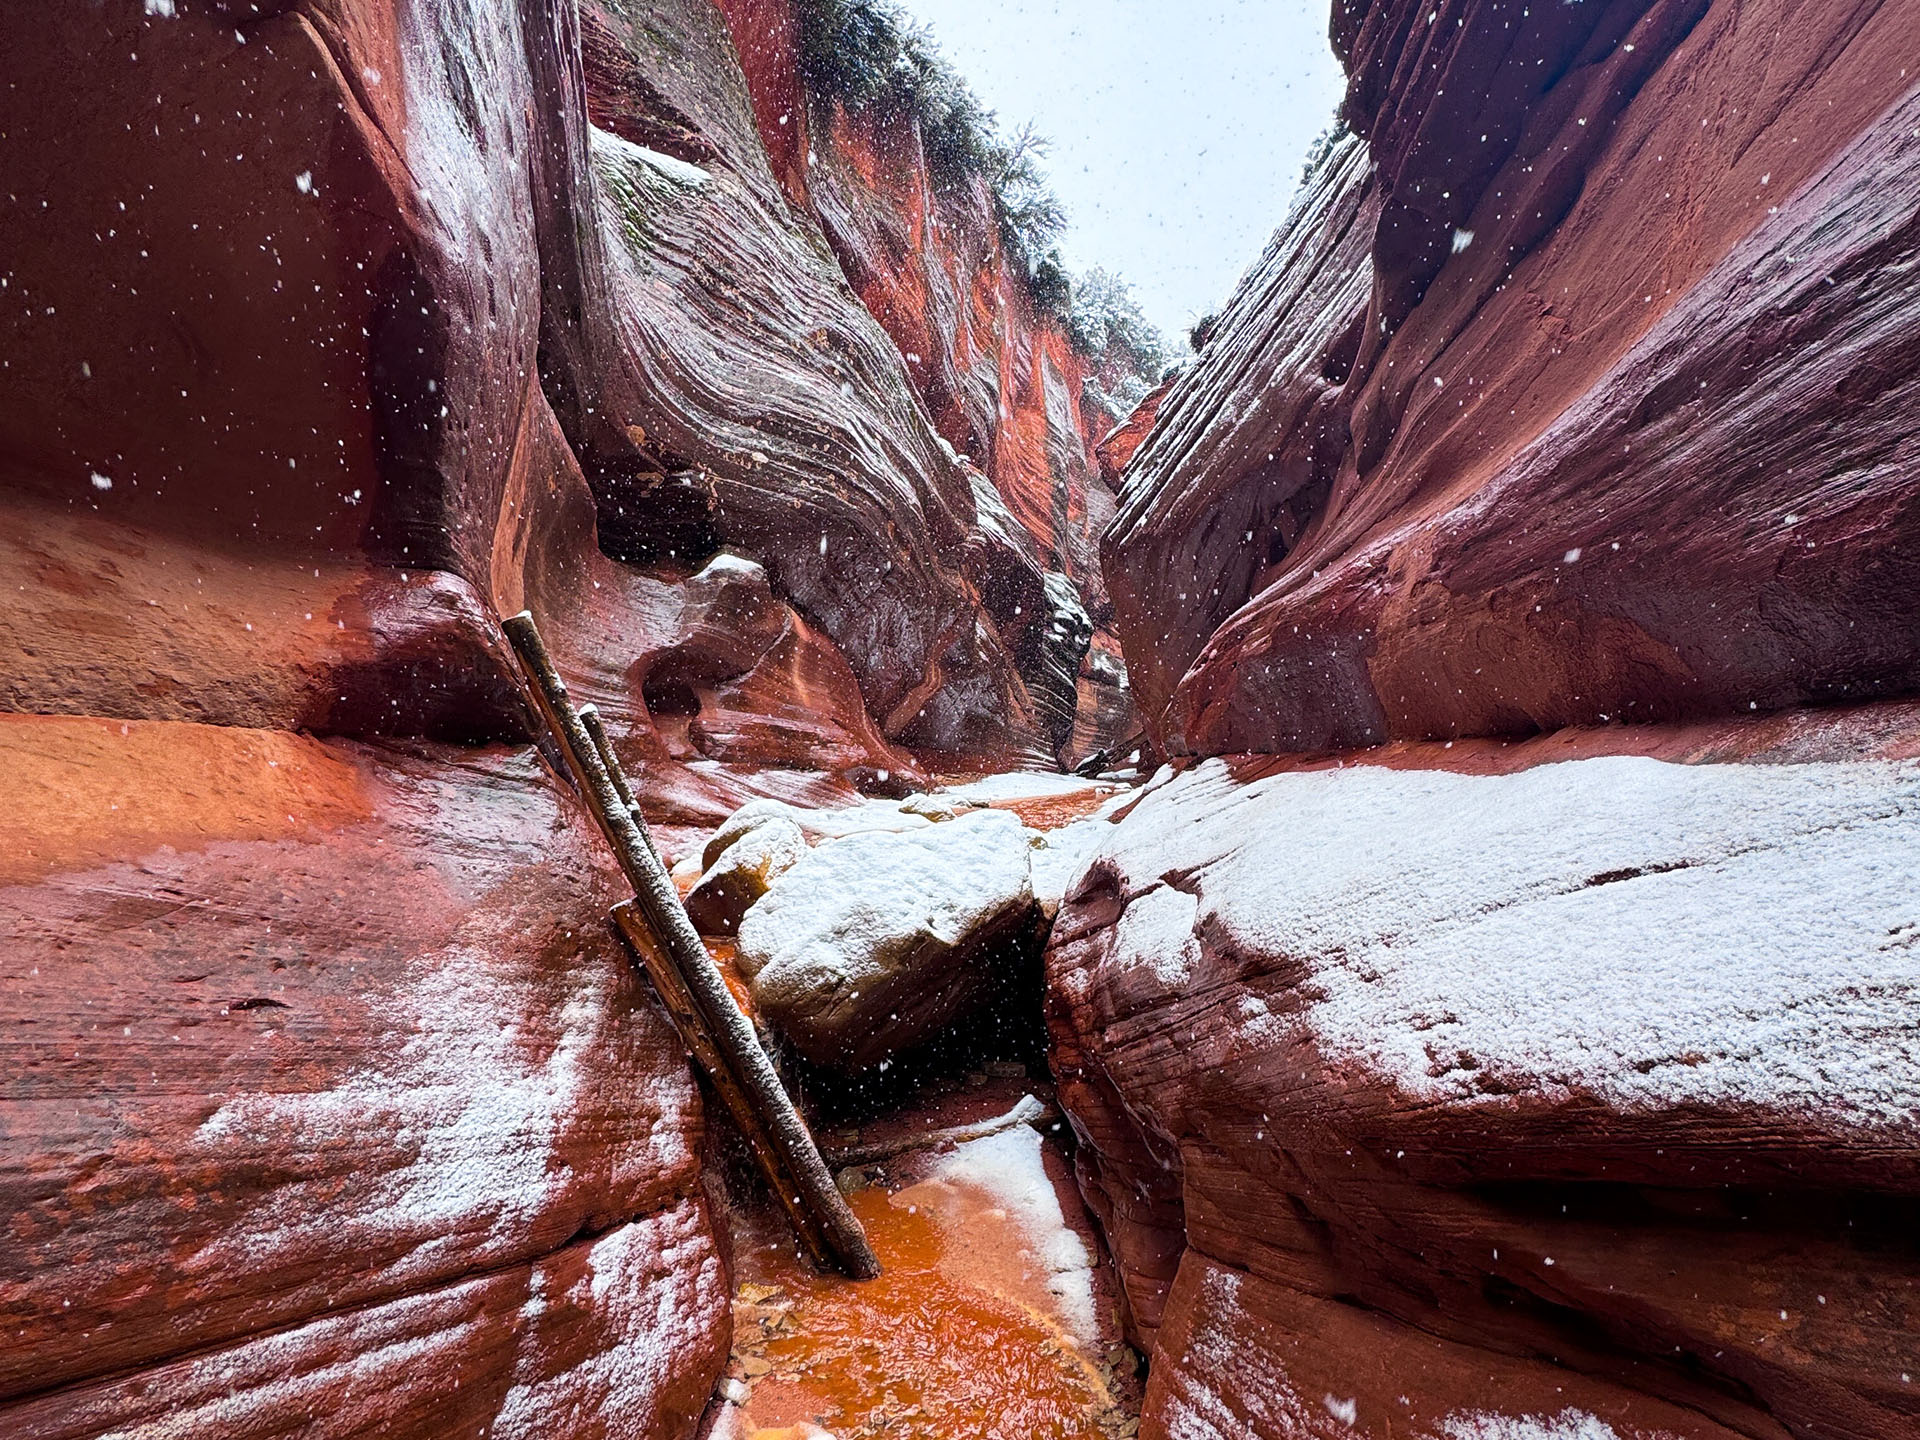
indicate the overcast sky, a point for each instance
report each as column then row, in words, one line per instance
column 1178, row 126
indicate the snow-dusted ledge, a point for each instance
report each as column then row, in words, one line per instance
column 1647, row 934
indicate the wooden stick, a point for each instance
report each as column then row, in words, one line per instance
column 603, row 743
column 1029, row 1111
column 691, row 986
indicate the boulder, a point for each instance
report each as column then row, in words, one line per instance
column 1532, row 1083
column 742, row 873
column 874, row 942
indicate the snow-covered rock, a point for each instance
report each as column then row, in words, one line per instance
column 874, row 941
column 1642, row 934
column 1060, row 857
column 816, row 825
column 1506, row 1058
column 742, row 873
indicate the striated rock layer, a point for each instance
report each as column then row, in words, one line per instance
column 334, row 331
column 1558, row 1089
column 1573, row 390
column 329, row 1094
column 721, row 383
column 1006, row 387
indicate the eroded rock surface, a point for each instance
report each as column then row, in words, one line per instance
column 1456, row 1083
column 302, row 1038
column 329, row 1104
column 1003, row 381
column 1571, row 391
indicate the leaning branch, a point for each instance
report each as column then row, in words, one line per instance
column 721, row 1039
column 1028, row 1112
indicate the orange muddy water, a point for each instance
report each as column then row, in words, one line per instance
column 994, row 1318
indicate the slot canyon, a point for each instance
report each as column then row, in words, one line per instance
column 1357, row 881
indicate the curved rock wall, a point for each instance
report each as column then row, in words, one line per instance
column 1570, row 392
column 334, row 331
column 1469, row 1086
column 1558, row 1089
column 718, row 372
column 1004, row 384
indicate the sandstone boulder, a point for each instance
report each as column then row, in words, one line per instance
column 875, row 941
column 742, row 873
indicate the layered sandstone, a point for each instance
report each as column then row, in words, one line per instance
column 330, row 1095
column 1473, row 1086
column 1573, row 390
column 333, row 333
column 1006, row 386
column 1553, row 1084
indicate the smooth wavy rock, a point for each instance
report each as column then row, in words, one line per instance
column 721, row 383
column 1574, row 389
column 1444, row 1082
column 330, row 1094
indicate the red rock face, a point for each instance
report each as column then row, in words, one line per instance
column 303, row 1037
column 1566, row 396
column 1363, row 1176
column 1005, row 386
column 1593, row 419
column 720, row 386
column 1116, row 451
column 328, row 1104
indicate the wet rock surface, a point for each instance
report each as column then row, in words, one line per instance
column 742, row 873
column 997, row 1316
column 1445, row 1084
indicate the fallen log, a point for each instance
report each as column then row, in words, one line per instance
column 1029, row 1111
column 720, row 1038
column 596, row 729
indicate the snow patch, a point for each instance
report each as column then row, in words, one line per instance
column 472, row 1107
column 1011, row 1166
column 1649, row 933
column 1157, row 931
column 690, row 177
column 724, row 565
column 1022, row 785
column 1567, row 1425
column 655, row 1322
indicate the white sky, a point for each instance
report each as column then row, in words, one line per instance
column 1179, row 126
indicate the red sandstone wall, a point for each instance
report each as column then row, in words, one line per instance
column 1577, row 389
column 326, row 1103
column 1005, row 386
